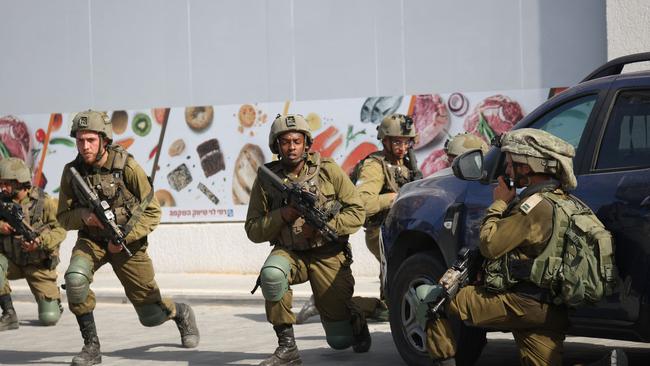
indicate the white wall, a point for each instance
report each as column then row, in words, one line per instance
column 628, row 28
column 64, row 56
column 217, row 248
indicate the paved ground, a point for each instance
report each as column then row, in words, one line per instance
column 234, row 334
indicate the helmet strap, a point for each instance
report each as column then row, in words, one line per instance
column 100, row 151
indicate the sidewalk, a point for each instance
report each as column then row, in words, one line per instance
column 196, row 288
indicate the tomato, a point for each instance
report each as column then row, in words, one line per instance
column 40, row 135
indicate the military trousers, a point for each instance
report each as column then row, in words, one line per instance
column 136, row 274
column 539, row 329
column 41, row 280
column 370, row 305
column 328, row 271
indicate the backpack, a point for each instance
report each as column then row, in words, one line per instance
column 577, row 265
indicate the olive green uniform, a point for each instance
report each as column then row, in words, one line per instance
column 37, row 267
column 376, row 182
column 135, row 273
column 325, row 265
column 537, row 326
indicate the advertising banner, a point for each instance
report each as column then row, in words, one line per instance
column 209, row 155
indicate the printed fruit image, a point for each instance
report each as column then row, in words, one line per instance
column 141, row 124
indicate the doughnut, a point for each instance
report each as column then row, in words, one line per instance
column 199, row 118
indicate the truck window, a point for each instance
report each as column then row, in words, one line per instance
column 626, row 142
column 566, row 121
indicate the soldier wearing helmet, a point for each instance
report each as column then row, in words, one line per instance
column 118, row 180
column 34, row 260
column 515, row 229
column 379, row 178
column 464, row 142
column 300, row 253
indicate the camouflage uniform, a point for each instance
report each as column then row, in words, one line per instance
column 523, row 229
column 296, row 258
column 37, row 267
column 377, row 180
column 122, row 183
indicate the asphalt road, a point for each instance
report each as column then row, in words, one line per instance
column 235, row 335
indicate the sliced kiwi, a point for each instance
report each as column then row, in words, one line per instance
column 141, row 124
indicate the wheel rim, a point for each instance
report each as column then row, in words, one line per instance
column 413, row 332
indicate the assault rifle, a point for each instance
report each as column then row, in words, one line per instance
column 413, row 165
column 102, row 210
column 12, row 213
column 305, row 203
column 453, row 280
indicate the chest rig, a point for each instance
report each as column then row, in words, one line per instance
column 108, row 182
column 310, row 179
column 395, row 176
column 34, row 211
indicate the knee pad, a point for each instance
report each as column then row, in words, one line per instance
column 274, row 277
column 49, row 311
column 151, row 315
column 4, row 267
column 77, row 279
column 339, row 334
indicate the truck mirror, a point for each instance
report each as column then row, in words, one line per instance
column 469, row 165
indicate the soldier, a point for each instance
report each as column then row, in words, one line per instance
column 300, row 253
column 34, row 260
column 516, row 227
column 463, row 142
column 118, row 179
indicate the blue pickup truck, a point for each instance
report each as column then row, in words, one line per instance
column 606, row 117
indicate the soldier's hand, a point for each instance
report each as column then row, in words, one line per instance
column 30, row 246
column 503, row 192
column 90, row 219
column 5, row 228
column 289, row 214
column 392, row 196
column 114, row 248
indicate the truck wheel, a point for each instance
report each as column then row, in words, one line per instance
column 408, row 336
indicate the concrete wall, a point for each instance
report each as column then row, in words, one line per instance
column 217, row 248
column 628, row 29
column 65, row 56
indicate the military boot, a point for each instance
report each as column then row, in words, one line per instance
column 90, row 353
column 287, row 351
column 307, row 311
column 9, row 319
column 186, row 324
column 446, row 362
column 362, row 340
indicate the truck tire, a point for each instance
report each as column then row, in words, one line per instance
column 408, row 336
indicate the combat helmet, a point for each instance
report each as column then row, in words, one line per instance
column 15, row 169
column 396, row 125
column 92, row 121
column 288, row 123
column 543, row 152
column 464, row 142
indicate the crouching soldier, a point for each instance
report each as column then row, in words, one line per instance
column 301, row 252
column 34, row 256
column 116, row 178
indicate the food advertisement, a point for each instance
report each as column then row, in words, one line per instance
column 209, row 155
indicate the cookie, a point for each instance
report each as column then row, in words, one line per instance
column 250, row 158
column 211, row 157
column 176, row 148
column 165, row 198
column 179, row 178
column 199, row 118
column 246, row 115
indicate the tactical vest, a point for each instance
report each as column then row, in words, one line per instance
column 291, row 236
column 395, row 176
column 577, row 264
column 10, row 246
column 108, row 183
